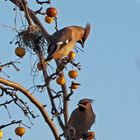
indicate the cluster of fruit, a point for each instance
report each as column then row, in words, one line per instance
column 19, row 131
column 51, row 12
column 60, row 80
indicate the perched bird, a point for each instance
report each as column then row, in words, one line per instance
column 80, row 120
column 64, row 40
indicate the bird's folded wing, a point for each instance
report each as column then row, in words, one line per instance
column 59, row 40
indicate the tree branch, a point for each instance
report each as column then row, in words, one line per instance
column 47, row 83
column 65, row 101
column 24, row 5
column 34, row 101
column 11, row 123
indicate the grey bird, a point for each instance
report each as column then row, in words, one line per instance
column 64, row 40
column 81, row 120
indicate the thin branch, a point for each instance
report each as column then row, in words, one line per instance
column 47, row 80
column 7, row 102
column 24, row 5
column 11, row 123
column 65, row 101
column 34, row 18
column 42, row 2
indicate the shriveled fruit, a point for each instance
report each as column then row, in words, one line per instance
column 49, row 20
column 1, row 133
column 20, row 51
column 51, row 12
column 91, row 135
column 60, row 80
column 20, row 131
column 71, row 55
column 40, row 65
column 73, row 74
column 74, row 85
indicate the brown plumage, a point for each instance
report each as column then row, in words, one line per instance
column 80, row 120
column 64, row 40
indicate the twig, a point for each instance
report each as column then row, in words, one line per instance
column 42, row 2
column 7, row 102
column 11, row 123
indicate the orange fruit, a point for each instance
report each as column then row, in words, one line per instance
column 74, row 85
column 20, row 131
column 73, row 74
column 51, row 12
column 71, row 55
column 49, row 20
column 60, row 80
column 1, row 133
column 91, row 135
column 20, row 51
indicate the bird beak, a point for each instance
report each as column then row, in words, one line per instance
column 82, row 43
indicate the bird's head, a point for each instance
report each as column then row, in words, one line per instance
column 84, row 34
column 82, row 105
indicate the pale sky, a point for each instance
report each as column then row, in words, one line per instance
column 110, row 62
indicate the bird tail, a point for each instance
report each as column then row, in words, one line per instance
column 70, row 134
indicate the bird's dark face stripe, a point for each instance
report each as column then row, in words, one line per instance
column 82, row 108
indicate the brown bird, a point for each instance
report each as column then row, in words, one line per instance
column 64, row 40
column 81, row 120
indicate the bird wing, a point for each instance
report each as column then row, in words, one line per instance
column 62, row 35
column 59, row 40
column 72, row 116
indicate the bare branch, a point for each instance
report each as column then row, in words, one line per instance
column 43, row 2
column 11, row 123
column 24, row 5
column 7, row 102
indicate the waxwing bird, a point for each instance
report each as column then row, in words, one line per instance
column 64, row 40
column 80, row 120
